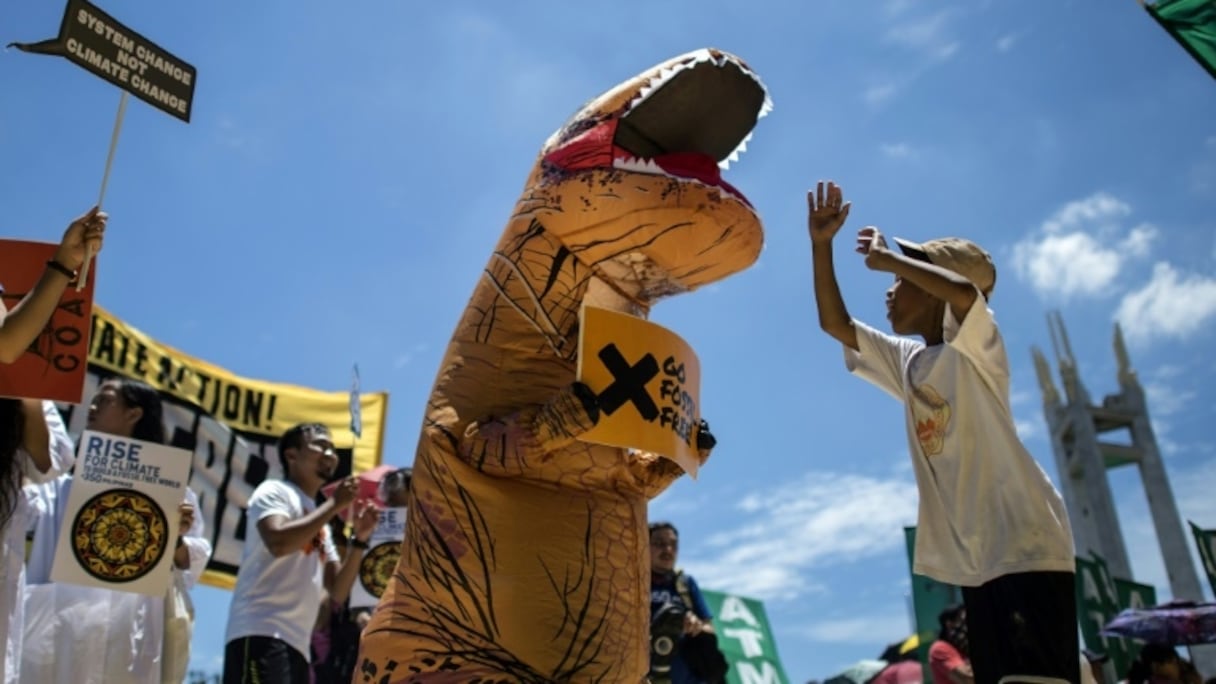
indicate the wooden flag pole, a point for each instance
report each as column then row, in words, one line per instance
column 105, row 179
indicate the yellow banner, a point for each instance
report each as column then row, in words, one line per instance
column 230, row 424
column 648, row 382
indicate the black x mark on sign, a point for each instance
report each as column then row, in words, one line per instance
column 628, row 383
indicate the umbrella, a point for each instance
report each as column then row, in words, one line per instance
column 903, row 672
column 1177, row 623
column 858, row 673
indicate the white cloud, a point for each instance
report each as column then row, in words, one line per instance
column 787, row 531
column 860, row 629
column 927, row 34
column 894, row 8
column 1006, row 42
column 669, row 505
column 946, row 51
column 1066, row 264
column 1139, row 240
column 1171, row 304
column 897, row 150
column 877, row 94
column 1081, row 248
column 1096, row 209
column 406, row 357
column 1164, row 397
column 929, row 38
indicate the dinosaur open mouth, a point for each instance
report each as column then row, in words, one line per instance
column 689, row 121
column 706, row 105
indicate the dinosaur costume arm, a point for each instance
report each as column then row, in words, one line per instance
column 524, row 443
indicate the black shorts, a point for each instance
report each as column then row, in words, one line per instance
column 263, row 660
column 1023, row 628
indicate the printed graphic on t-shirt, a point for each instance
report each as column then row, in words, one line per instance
column 317, row 542
column 932, row 415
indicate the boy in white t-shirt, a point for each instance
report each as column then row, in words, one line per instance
column 990, row 520
column 289, row 562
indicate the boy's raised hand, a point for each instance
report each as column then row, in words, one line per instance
column 872, row 244
column 826, row 212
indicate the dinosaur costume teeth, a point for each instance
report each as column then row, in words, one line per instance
column 526, row 557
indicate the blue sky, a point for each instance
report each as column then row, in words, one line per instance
column 348, row 170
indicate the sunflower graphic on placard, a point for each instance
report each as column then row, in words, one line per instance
column 119, row 535
column 377, row 567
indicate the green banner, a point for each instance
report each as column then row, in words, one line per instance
column 1193, row 24
column 1099, row 599
column 1206, row 541
column 745, row 638
column 1097, row 604
column 929, row 598
column 1134, row 595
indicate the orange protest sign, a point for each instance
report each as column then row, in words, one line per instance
column 54, row 366
column 648, row 383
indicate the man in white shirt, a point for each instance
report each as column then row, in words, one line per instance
column 289, row 562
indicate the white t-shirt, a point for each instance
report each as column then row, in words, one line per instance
column 279, row 597
column 986, row 507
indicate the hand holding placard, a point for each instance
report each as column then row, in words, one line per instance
column 82, row 239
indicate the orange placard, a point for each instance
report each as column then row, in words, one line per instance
column 54, row 366
column 648, row 382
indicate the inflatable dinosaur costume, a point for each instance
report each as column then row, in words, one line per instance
column 526, row 557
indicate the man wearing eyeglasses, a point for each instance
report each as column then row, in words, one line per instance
column 289, row 563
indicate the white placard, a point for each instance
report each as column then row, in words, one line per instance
column 121, row 523
column 380, row 560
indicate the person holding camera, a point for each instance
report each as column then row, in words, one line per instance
column 683, row 646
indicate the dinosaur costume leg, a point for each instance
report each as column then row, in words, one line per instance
column 526, row 552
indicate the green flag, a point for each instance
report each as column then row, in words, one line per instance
column 1193, row 24
column 1098, row 604
column 1206, row 541
column 1134, row 595
column 929, row 599
column 745, row 638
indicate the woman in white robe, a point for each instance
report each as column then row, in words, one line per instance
column 85, row 635
column 33, row 443
column 37, row 449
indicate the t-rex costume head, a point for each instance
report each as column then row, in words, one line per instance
column 526, row 552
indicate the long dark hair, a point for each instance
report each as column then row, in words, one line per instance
column 136, row 394
column 12, row 433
